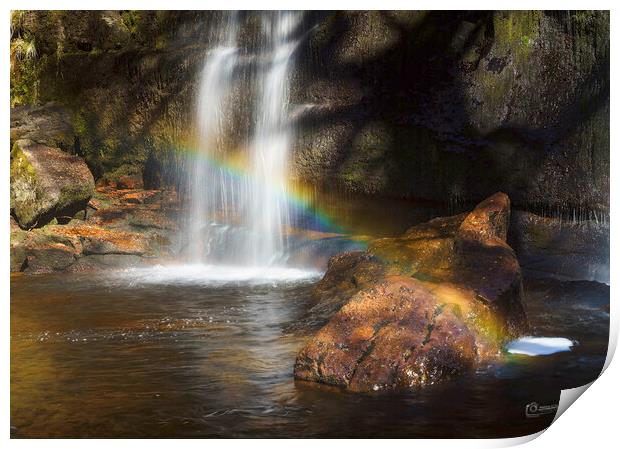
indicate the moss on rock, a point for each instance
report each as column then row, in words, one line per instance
column 46, row 183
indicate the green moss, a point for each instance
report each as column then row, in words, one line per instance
column 123, row 170
column 79, row 123
column 20, row 165
column 516, row 32
column 74, row 193
column 23, row 186
column 103, row 199
column 352, row 177
column 18, row 249
column 526, row 41
column 160, row 42
column 24, row 82
column 131, row 20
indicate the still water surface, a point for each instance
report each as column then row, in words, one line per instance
column 101, row 356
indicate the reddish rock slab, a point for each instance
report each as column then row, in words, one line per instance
column 117, row 232
column 98, row 240
column 413, row 310
column 399, row 333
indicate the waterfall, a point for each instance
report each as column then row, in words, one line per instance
column 268, row 213
column 233, row 217
column 207, row 188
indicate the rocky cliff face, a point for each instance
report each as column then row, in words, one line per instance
column 430, row 105
column 440, row 105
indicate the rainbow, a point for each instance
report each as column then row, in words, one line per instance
column 300, row 197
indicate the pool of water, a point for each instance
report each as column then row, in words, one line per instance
column 116, row 356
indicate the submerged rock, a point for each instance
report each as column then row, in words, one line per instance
column 47, row 183
column 419, row 308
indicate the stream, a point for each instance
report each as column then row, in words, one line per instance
column 112, row 355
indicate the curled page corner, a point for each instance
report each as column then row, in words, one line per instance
column 568, row 397
column 517, row 441
column 613, row 337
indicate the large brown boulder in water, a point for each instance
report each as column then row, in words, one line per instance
column 46, row 183
column 416, row 309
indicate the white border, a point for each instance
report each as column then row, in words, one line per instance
column 590, row 422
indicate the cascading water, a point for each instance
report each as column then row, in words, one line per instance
column 207, row 186
column 268, row 212
column 241, row 219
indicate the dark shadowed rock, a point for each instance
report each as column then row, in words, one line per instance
column 516, row 101
column 49, row 125
column 46, row 183
column 419, row 308
column 559, row 248
column 48, row 258
column 97, row 262
column 125, row 177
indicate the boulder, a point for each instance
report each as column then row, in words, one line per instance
column 49, row 125
column 49, row 258
column 43, row 250
column 416, row 309
column 46, row 183
column 400, row 333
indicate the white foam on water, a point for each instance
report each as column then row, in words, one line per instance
column 201, row 274
column 534, row 346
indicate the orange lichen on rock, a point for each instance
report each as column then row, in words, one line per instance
column 98, row 240
column 118, row 228
column 139, row 196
